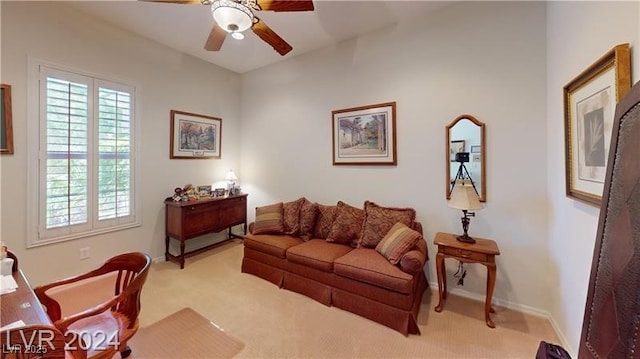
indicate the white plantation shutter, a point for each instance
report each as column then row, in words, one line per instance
column 86, row 176
column 66, row 165
column 114, row 154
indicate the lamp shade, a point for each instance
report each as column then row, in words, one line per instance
column 464, row 197
column 231, row 176
column 231, row 16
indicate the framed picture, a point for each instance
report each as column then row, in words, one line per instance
column 455, row 147
column 589, row 107
column 6, row 124
column 204, row 191
column 195, row 136
column 365, row 135
column 475, row 149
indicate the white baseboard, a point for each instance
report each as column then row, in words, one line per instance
column 513, row 306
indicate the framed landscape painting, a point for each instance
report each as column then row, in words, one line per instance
column 195, row 136
column 365, row 135
column 589, row 107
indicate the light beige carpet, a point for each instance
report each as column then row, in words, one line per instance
column 276, row 323
column 184, row 334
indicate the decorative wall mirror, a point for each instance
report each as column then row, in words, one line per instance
column 465, row 134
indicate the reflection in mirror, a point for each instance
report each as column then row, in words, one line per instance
column 465, row 135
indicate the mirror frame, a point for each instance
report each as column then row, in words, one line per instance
column 483, row 174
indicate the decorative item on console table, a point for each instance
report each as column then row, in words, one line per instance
column 186, row 220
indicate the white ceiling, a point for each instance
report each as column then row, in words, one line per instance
column 186, row 27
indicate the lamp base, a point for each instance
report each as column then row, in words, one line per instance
column 465, row 238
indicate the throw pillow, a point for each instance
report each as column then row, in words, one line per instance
column 378, row 221
column 308, row 214
column 347, row 226
column 269, row 219
column 398, row 241
column 291, row 216
column 324, row 221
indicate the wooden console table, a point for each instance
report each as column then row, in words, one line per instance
column 483, row 252
column 186, row 220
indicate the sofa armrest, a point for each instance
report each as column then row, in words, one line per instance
column 251, row 227
column 414, row 260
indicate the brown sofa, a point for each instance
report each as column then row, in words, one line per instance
column 323, row 261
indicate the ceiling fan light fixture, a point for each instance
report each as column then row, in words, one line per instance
column 233, row 17
column 237, row 35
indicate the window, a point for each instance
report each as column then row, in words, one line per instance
column 85, row 155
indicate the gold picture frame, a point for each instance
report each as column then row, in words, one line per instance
column 6, row 122
column 589, row 108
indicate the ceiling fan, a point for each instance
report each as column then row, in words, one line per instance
column 235, row 16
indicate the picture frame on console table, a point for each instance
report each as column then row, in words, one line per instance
column 365, row 135
column 589, row 107
column 195, row 136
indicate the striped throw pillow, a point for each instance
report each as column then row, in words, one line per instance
column 269, row 219
column 398, row 241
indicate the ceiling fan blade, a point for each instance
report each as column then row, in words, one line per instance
column 216, row 38
column 286, row 5
column 270, row 37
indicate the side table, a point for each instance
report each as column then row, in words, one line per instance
column 482, row 252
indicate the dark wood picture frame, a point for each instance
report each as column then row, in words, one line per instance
column 6, row 122
column 357, row 140
column 189, row 130
column 589, row 105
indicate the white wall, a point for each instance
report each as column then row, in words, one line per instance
column 166, row 80
column 483, row 59
column 578, row 34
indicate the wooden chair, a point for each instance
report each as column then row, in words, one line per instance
column 105, row 329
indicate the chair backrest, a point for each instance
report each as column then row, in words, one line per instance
column 132, row 270
column 33, row 341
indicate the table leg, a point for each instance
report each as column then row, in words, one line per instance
column 182, row 254
column 166, row 248
column 442, row 281
column 491, row 283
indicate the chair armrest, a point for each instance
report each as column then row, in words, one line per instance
column 251, row 225
column 53, row 307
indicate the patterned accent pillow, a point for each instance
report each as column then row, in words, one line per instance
column 397, row 242
column 347, row 226
column 308, row 214
column 378, row 221
column 291, row 216
column 324, row 221
column 269, row 219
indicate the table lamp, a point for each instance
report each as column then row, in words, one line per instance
column 464, row 197
column 231, row 178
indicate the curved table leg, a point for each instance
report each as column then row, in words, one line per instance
column 442, row 281
column 491, row 283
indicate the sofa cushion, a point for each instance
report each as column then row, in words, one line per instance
column 291, row 217
column 273, row 244
column 317, row 253
column 378, row 221
column 347, row 226
column 367, row 265
column 269, row 219
column 308, row 215
column 324, row 221
column 398, row 241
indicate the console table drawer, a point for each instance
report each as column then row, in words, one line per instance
column 466, row 254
